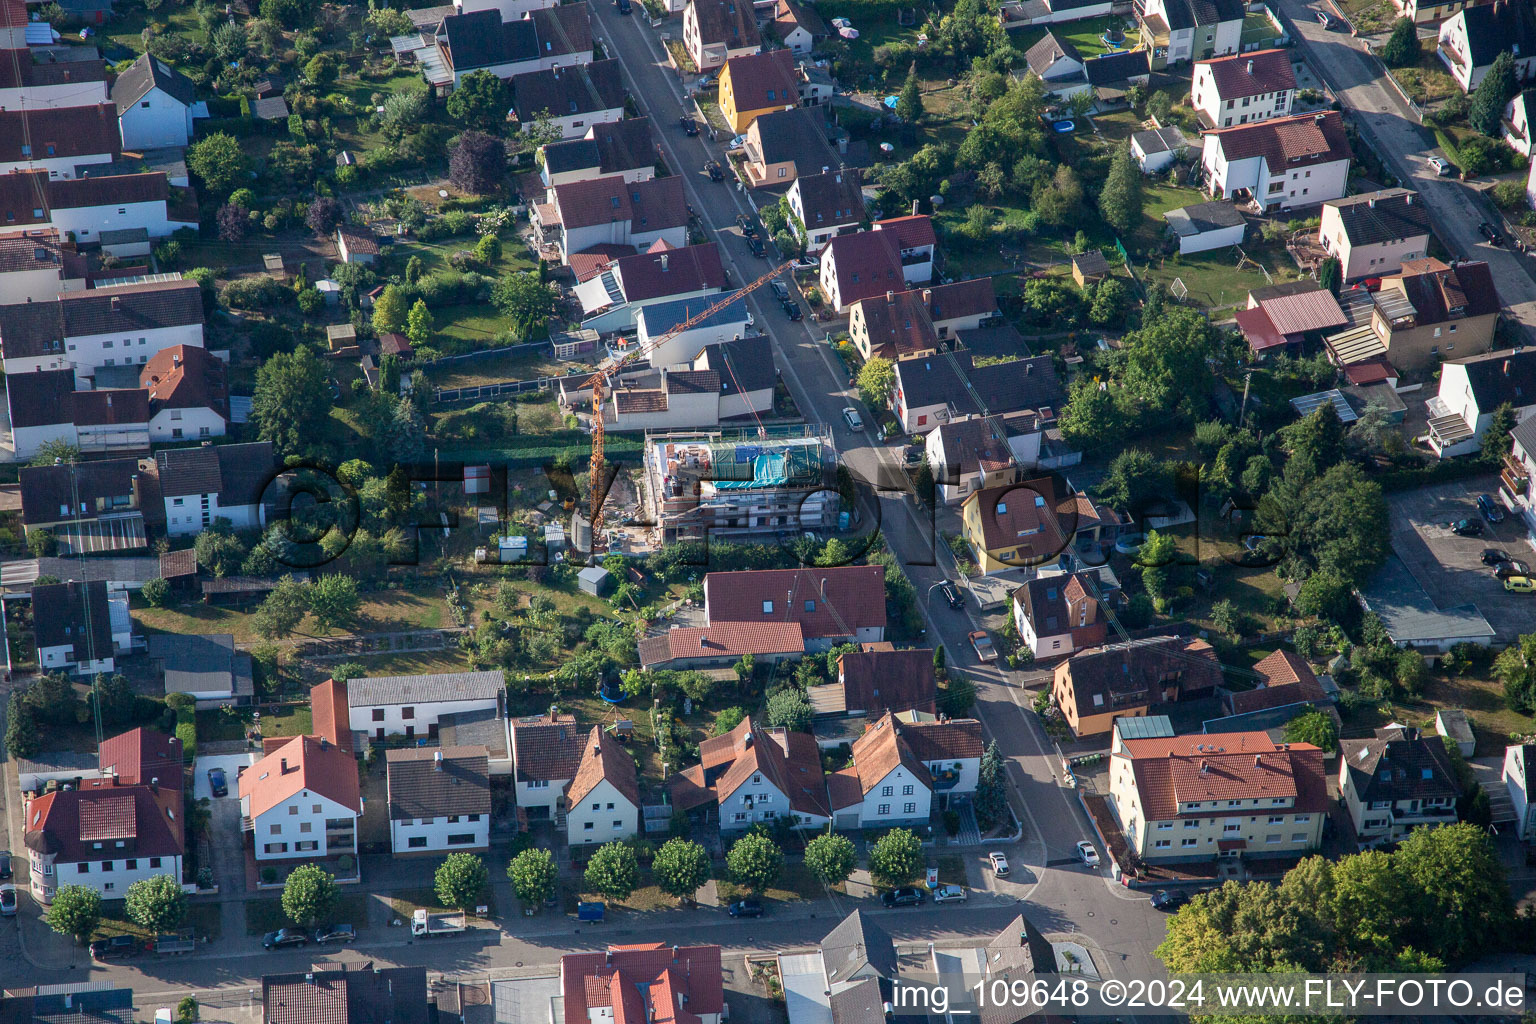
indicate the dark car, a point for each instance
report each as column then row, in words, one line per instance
column 5, row 864
column 1493, row 556
column 1489, row 508
column 746, row 908
column 218, row 783
column 715, row 171
column 745, row 224
column 1467, row 527
column 1491, row 233
column 115, row 948
column 623, row 6
column 780, row 290
column 1169, row 899
column 951, row 595
column 903, row 897
column 283, row 938
column 756, row 245
column 792, row 310
column 1513, row 567
column 336, row 933
column 688, row 125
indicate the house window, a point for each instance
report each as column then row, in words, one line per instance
column 883, row 809
column 108, row 886
column 1163, row 844
column 275, row 830
column 84, row 869
column 308, row 846
column 597, row 807
column 378, row 714
column 461, row 839
column 1273, row 837
column 305, row 826
column 887, row 790
column 1302, row 819
column 1163, row 825
column 154, row 862
column 407, row 712
column 586, row 826
column 1231, row 828
column 275, row 848
column 416, row 842
column 1275, row 819
column 1298, row 837
column 1188, row 842
column 906, row 790
column 909, row 808
column 293, row 808
column 618, row 825
column 474, row 817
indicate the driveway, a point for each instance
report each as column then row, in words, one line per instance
column 231, row 763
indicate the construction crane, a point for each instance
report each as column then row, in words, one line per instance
column 616, row 363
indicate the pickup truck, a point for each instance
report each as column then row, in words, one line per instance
column 425, row 925
column 184, row 941
column 983, row 644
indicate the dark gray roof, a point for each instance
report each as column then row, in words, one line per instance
column 798, row 135
column 575, row 155
column 1499, row 377
column 373, row 691
column 624, row 145
column 237, row 473
column 482, row 40
column 47, row 492
column 1211, row 216
column 421, row 786
column 73, row 614
column 1503, row 25
column 745, row 365
column 1384, row 216
column 1400, row 763
column 1050, row 49
column 1013, row 386
column 561, row 92
column 201, row 663
column 855, row 945
column 1117, row 67
column 365, row 995
column 861, row 1003
column 148, row 73
column 35, row 328
column 1525, row 434
column 1161, row 140
column 484, row 728
column 831, row 198
column 1412, row 617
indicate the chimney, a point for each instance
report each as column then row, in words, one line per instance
column 154, row 785
column 1029, row 369
column 890, row 296
column 1204, row 766
column 117, row 303
column 1250, row 67
column 1255, row 760
column 597, row 750
column 608, row 958
column 914, row 207
column 825, row 169
column 437, row 760
column 309, row 978
column 663, row 263
column 1506, row 367
column 1408, row 199
column 283, row 767
column 674, row 954
column 927, row 296
column 1371, row 202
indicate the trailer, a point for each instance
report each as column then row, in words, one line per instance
column 427, row 925
column 593, row 912
column 184, row 941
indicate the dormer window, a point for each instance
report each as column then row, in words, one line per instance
column 767, row 607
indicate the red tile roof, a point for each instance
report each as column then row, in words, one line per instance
column 1287, row 142
column 1258, row 329
column 876, row 681
column 59, row 132
column 69, row 823
column 139, row 755
column 1285, row 678
column 650, row 205
column 898, row 325
column 602, row 758
column 643, row 984
column 588, row 263
column 186, row 377
column 331, row 713
column 954, row 739
column 1371, row 371
column 1022, row 516
column 304, row 763
column 913, row 231
column 669, row 271
column 1176, row 770
column 722, row 640
column 1252, row 74
column 546, row 749
column 825, row 602
column 881, row 750
column 866, row 263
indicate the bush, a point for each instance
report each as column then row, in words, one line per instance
column 257, row 292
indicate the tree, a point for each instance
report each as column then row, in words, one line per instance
column 156, row 591
column 754, row 861
column 488, row 250
column 533, row 874
column 478, row 162
column 1515, row 667
column 323, row 216
column 526, row 301
column 1314, row 442
column 282, row 610
column 1166, row 363
column 156, row 903
column 680, row 867
column 1328, row 274
column 230, row 42
column 1058, row 201
column 1338, row 521
column 1111, row 302
column 876, row 379
column 320, row 70
column 54, row 451
column 1156, row 558
column 1485, row 112
column 1464, row 903
column 333, row 601
column 480, row 101
column 612, row 871
column 232, row 222
column 75, row 911
column 1315, row 728
column 789, row 709
column 460, row 880
column 1325, row 594
column 292, row 398
column 831, row 858
column 21, row 734
column 290, row 14
column 218, row 160
column 404, row 110
column 187, row 1010
column 958, row 696
column 1402, row 48
column 991, row 801
column 1120, row 203
column 1136, row 479
column 218, row 549
column 310, row 895
column 418, row 323
column 909, row 105
column 896, row 857
column 1496, row 442
column 1091, row 415
column 389, row 310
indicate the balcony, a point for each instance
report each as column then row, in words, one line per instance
column 946, row 780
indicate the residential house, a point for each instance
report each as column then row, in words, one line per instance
column 602, row 803
column 201, row 485
column 950, row 748
column 1518, row 118
column 546, row 754
column 1180, row 30
column 825, row 205
column 572, row 99
column 355, row 246
column 1019, row 954
column 858, row 266
column 1058, row 65
column 624, row 148
column 510, row 10
column 1220, row 796
column 782, row 144
column 916, row 243
column 1283, row 163
column 75, row 629
column 876, row 679
column 410, row 706
column 1284, row 680
column 56, row 76
column 1157, row 149
column 1430, row 311
column 885, row 786
column 753, row 775
column 205, row 667
column 1396, row 781
column 329, row 713
column 439, row 799
column 1244, row 88
column 1206, row 226
column 84, row 206
column 1112, row 75
column 1519, row 776
column 747, row 375
column 33, row 266
column 116, row 326
column 716, row 30
column 45, row 407
column 58, row 139
column 1283, row 317
column 1517, row 472
column 664, row 399
column 1056, row 616
column 96, row 506
column 893, row 326
column 966, row 455
column 1471, row 38
column 1472, row 390
column 940, row 388
column 961, row 306
column 1013, row 526
column 1015, row 14
column 627, row 284
column 644, row 983
column 842, row 604
column 610, row 211
column 847, row 979
column 154, row 105
column 543, row 39
column 797, row 26
column 347, row 994
column 722, row 645
column 1431, row 12
column 817, row 86
column 1094, row 687
column 661, row 324
column 1373, row 234
column 188, row 390
column 302, row 800
column 757, row 84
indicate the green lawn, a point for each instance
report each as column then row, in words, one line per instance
column 527, row 365
column 1428, row 81
column 796, row 882
column 405, row 902
column 213, row 724
column 202, row 918
column 1085, row 36
column 287, row 721
column 266, row 915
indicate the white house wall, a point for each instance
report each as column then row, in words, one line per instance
column 280, row 831
column 157, row 121
column 440, row 835
column 614, row 818
column 426, row 714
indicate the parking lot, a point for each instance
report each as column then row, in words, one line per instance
column 1449, row 567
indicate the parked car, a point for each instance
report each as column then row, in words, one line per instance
column 756, row 245
column 623, row 6
column 1089, row 855
column 792, row 310
column 218, row 783
column 115, row 948
column 906, row 896
column 283, row 938
column 852, row 416
column 1467, row 527
column 949, row 894
column 951, row 595
column 1520, row 584
column 1442, row 166
column 780, row 290
column 737, row 141
column 999, row 863
column 688, row 125
column 715, row 171
column 985, row 650
column 5, row 864
column 1490, row 508
column 746, row 908
column 7, row 900
column 1493, row 556
column 336, row 933
column 1169, row 899
column 808, row 263
column 1491, row 233
column 1513, row 567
